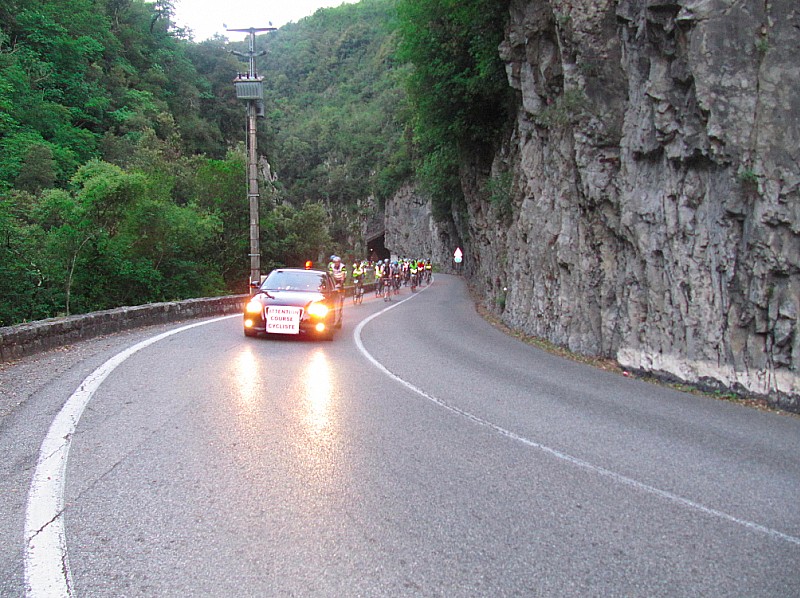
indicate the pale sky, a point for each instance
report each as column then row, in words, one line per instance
column 206, row 17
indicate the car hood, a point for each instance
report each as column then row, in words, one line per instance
column 294, row 298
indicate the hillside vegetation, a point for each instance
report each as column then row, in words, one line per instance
column 337, row 111
column 122, row 167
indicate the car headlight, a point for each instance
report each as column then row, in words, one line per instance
column 254, row 307
column 319, row 310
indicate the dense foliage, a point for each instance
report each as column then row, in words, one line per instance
column 99, row 105
column 336, row 106
column 122, row 174
column 458, row 86
column 122, row 169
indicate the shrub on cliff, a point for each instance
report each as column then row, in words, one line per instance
column 458, row 86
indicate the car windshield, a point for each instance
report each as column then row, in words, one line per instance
column 289, row 280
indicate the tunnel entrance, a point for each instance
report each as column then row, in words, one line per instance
column 376, row 248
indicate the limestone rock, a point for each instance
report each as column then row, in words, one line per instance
column 654, row 211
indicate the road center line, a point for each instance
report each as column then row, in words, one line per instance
column 619, row 478
column 47, row 572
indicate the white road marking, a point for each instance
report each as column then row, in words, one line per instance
column 674, row 498
column 47, row 572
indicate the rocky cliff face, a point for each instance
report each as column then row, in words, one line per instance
column 646, row 205
column 411, row 231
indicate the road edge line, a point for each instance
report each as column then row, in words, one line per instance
column 47, row 572
column 603, row 472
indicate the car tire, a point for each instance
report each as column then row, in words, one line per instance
column 251, row 333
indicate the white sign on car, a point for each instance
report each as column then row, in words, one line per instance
column 283, row 320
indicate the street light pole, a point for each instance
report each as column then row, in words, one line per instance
column 253, row 195
column 250, row 87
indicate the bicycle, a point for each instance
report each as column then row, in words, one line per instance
column 358, row 293
column 387, row 290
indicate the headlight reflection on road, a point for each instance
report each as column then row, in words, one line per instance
column 247, row 377
column 318, row 386
column 318, row 445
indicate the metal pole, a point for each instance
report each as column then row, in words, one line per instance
column 253, row 195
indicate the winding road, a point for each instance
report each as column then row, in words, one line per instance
column 421, row 453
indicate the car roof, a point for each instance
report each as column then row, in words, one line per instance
column 313, row 270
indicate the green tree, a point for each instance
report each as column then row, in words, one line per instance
column 38, row 170
column 220, row 188
column 23, row 292
column 292, row 236
column 79, row 221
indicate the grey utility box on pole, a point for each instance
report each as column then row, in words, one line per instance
column 249, row 89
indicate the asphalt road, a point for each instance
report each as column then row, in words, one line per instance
column 421, row 453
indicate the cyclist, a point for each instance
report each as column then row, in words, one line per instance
column 394, row 269
column 358, row 280
column 379, row 276
column 338, row 271
column 414, row 275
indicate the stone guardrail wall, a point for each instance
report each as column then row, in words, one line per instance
column 25, row 339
